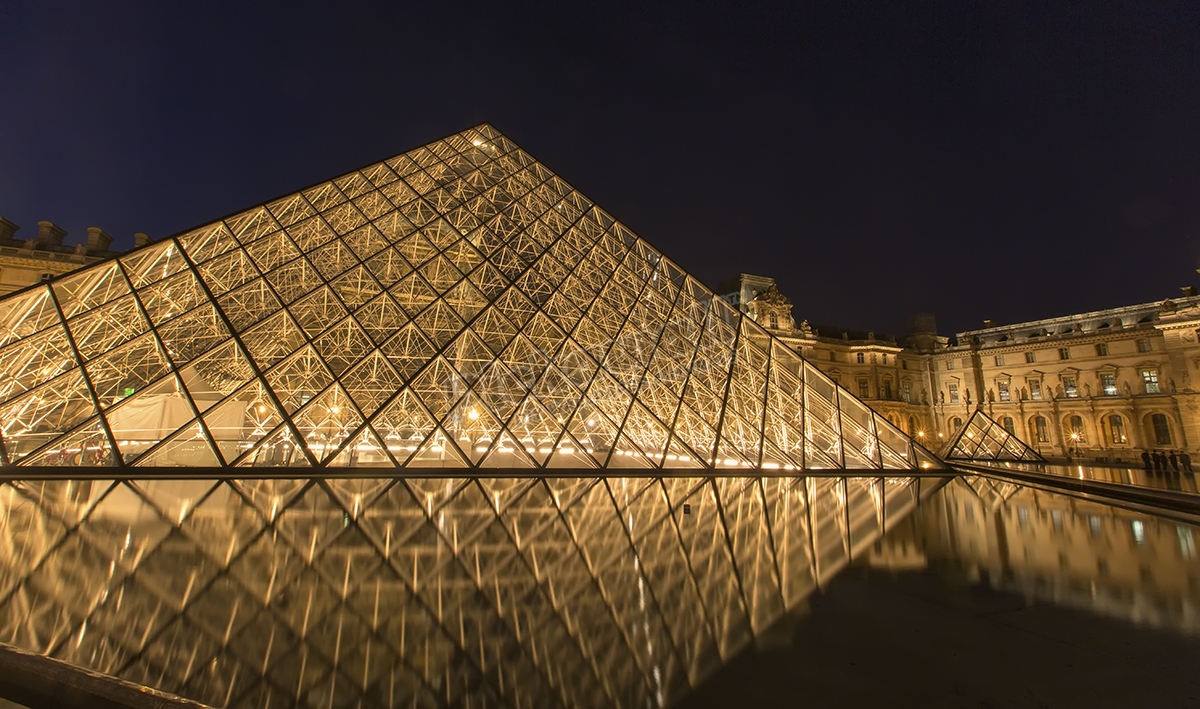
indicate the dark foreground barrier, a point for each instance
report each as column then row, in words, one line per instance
column 40, row 682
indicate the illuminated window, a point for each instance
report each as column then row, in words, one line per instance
column 1075, row 429
column 999, row 360
column 1101, row 349
column 1069, row 386
column 862, row 358
column 774, row 321
column 1150, row 380
column 1010, row 426
column 1035, row 389
column 953, row 393
column 949, row 364
column 1002, row 388
column 908, row 392
column 1064, row 353
column 1143, row 345
column 1116, row 425
column 1030, row 358
column 1108, row 384
column 1162, row 429
column 1043, row 430
column 864, row 388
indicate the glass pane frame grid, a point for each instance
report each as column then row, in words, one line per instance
column 238, row 226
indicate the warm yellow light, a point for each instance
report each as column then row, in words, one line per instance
column 262, row 409
column 334, row 409
column 472, row 414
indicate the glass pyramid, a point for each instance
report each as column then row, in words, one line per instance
column 455, row 307
column 981, row 438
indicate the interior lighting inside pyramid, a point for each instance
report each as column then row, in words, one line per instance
column 458, row 306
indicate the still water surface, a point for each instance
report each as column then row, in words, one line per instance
column 520, row 592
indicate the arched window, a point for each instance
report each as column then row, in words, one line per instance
column 956, row 423
column 1075, row 430
column 912, row 425
column 1043, row 431
column 1116, row 425
column 1162, row 429
column 1009, row 426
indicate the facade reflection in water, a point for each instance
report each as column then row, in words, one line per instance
column 474, row 592
column 1056, row 548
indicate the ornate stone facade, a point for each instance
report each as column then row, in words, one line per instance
column 29, row 261
column 1103, row 385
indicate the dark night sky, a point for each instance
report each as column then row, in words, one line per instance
column 1002, row 160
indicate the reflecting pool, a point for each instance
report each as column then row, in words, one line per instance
column 523, row 592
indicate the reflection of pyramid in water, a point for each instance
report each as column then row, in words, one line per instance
column 457, row 306
column 984, row 439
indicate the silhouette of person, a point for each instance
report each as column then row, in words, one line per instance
column 1159, row 462
column 1146, row 462
column 1174, row 459
column 1187, row 462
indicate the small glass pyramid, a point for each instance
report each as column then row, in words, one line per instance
column 458, row 306
column 981, row 438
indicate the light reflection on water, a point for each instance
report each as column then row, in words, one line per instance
column 423, row 592
column 517, row 591
column 1058, row 548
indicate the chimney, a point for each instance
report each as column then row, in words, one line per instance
column 140, row 240
column 922, row 323
column 49, row 235
column 7, row 230
column 1188, row 291
column 98, row 240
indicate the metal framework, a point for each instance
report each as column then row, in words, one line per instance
column 982, row 438
column 423, row 592
column 458, row 306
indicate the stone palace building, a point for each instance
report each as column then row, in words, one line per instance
column 1103, row 385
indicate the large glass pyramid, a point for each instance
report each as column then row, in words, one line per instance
column 458, row 306
column 982, row 438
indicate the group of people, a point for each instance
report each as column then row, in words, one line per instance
column 1158, row 462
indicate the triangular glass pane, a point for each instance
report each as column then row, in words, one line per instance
column 186, row 449
column 278, row 449
column 216, row 374
column 242, row 419
column 326, row 421
column 507, row 452
column 437, row 451
column 626, row 454
column 403, row 424
column 570, row 453
column 141, row 419
column 365, row 450
column 679, row 456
